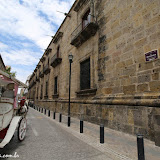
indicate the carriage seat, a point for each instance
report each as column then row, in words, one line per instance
column 6, row 112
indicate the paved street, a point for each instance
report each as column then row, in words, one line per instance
column 46, row 140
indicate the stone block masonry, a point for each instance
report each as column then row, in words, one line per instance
column 123, row 90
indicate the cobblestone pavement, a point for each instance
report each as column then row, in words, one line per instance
column 117, row 145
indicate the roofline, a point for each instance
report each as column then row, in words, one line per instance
column 21, row 84
column 60, row 25
column 2, row 61
column 58, row 30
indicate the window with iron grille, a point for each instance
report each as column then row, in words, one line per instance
column 85, row 74
column 48, row 61
column 37, row 92
column 41, row 91
column 55, row 85
column 47, row 88
column 58, row 48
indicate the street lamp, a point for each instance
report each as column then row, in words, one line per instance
column 70, row 57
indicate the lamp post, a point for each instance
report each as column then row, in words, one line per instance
column 70, row 57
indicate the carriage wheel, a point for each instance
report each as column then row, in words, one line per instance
column 22, row 129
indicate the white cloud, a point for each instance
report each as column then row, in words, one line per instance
column 3, row 46
column 21, row 74
column 24, row 20
column 31, row 20
column 20, row 57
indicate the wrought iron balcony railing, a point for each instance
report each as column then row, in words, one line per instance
column 46, row 96
column 56, row 59
column 32, row 84
column 41, row 74
column 37, row 78
column 46, row 69
column 82, row 34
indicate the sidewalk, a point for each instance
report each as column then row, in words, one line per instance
column 117, row 145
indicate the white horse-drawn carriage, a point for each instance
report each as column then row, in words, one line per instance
column 11, row 115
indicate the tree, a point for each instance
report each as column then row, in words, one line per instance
column 8, row 70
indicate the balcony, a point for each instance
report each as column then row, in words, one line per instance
column 37, row 78
column 57, row 37
column 31, row 76
column 41, row 74
column 46, row 97
column 80, row 35
column 42, row 59
column 46, row 69
column 48, row 51
column 55, row 96
column 55, row 60
column 32, row 84
column 38, row 66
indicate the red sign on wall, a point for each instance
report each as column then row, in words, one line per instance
column 152, row 55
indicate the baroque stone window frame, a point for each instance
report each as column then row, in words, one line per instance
column 92, row 90
column 85, row 65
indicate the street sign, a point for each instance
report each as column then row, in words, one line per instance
column 152, row 55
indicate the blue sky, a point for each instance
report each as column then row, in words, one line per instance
column 25, row 26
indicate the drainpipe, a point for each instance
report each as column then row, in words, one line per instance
column 92, row 10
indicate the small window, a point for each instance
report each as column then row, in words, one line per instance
column 55, row 85
column 43, row 67
column 86, row 19
column 41, row 91
column 48, row 61
column 37, row 92
column 58, row 54
column 47, row 88
column 85, row 74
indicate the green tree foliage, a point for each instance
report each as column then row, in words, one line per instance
column 8, row 70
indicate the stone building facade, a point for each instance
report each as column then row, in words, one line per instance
column 115, row 76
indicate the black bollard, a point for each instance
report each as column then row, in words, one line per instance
column 48, row 113
column 69, row 121
column 60, row 117
column 81, row 126
column 101, row 133
column 45, row 111
column 42, row 110
column 54, row 115
column 140, row 147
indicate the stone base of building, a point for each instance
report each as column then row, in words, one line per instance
column 131, row 116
